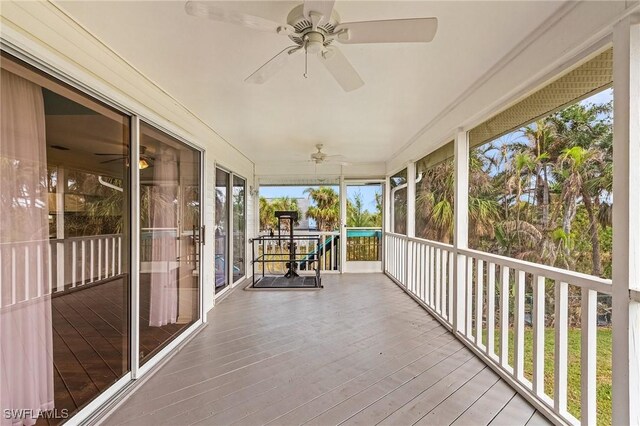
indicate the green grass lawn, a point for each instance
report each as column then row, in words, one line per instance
column 603, row 368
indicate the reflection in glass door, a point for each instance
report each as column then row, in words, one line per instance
column 64, row 247
column 221, row 230
column 239, row 214
column 362, row 226
column 170, row 231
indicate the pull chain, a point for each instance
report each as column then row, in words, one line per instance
column 305, row 62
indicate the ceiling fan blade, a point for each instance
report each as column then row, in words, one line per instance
column 415, row 30
column 112, row 160
column 274, row 65
column 105, row 153
column 321, row 8
column 341, row 69
column 209, row 10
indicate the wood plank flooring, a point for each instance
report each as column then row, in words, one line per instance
column 91, row 341
column 359, row 351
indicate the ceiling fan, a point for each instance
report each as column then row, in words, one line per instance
column 320, row 157
column 314, row 26
column 144, row 161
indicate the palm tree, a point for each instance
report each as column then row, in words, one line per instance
column 268, row 220
column 357, row 215
column 326, row 208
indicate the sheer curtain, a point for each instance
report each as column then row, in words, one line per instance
column 26, row 347
column 164, row 280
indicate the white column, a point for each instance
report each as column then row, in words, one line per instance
column 461, row 224
column 411, row 200
column 343, row 224
column 387, row 205
column 626, row 227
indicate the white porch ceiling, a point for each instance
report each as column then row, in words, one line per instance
column 203, row 63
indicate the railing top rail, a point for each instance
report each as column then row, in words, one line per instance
column 55, row 240
column 393, row 234
column 297, row 232
column 574, row 278
column 437, row 244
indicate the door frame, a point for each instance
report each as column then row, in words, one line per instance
column 365, row 266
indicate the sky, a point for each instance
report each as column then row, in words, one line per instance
column 366, row 191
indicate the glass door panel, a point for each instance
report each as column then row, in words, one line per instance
column 362, row 227
column 239, row 214
column 170, row 228
column 221, row 230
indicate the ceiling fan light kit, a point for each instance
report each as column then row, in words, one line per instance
column 313, row 26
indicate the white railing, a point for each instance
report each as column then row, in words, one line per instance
column 504, row 303
column 329, row 252
column 63, row 264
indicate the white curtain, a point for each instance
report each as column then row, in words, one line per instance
column 26, row 347
column 164, row 280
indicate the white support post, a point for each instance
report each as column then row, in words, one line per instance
column 626, row 227
column 343, row 223
column 411, row 200
column 387, row 206
column 461, row 227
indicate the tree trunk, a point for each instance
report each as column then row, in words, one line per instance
column 545, row 198
column 569, row 215
column 593, row 230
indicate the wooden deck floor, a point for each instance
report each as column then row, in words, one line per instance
column 90, row 340
column 359, row 351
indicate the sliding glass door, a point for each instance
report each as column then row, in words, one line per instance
column 169, row 239
column 64, row 246
column 66, row 173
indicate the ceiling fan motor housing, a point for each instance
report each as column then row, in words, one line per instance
column 304, row 27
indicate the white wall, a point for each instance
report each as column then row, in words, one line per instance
column 43, row 33
column 577, row 28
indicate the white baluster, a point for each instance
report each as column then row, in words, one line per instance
column 83, row 261
column 38, row 268
column 588, row 324
column 479, row 300
column 437, row 281
column 14, row 277
column 119, row 255
column 27, row 266
column 491, row 308
column 92, row 274
column 561, row 343
column 519, row 326
column 443, row 282
column 469, row 288
column 538, row 334
column 74, row 263
column 99, row 259
column 113, row 256
column 450, row 293
column 504, row 316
